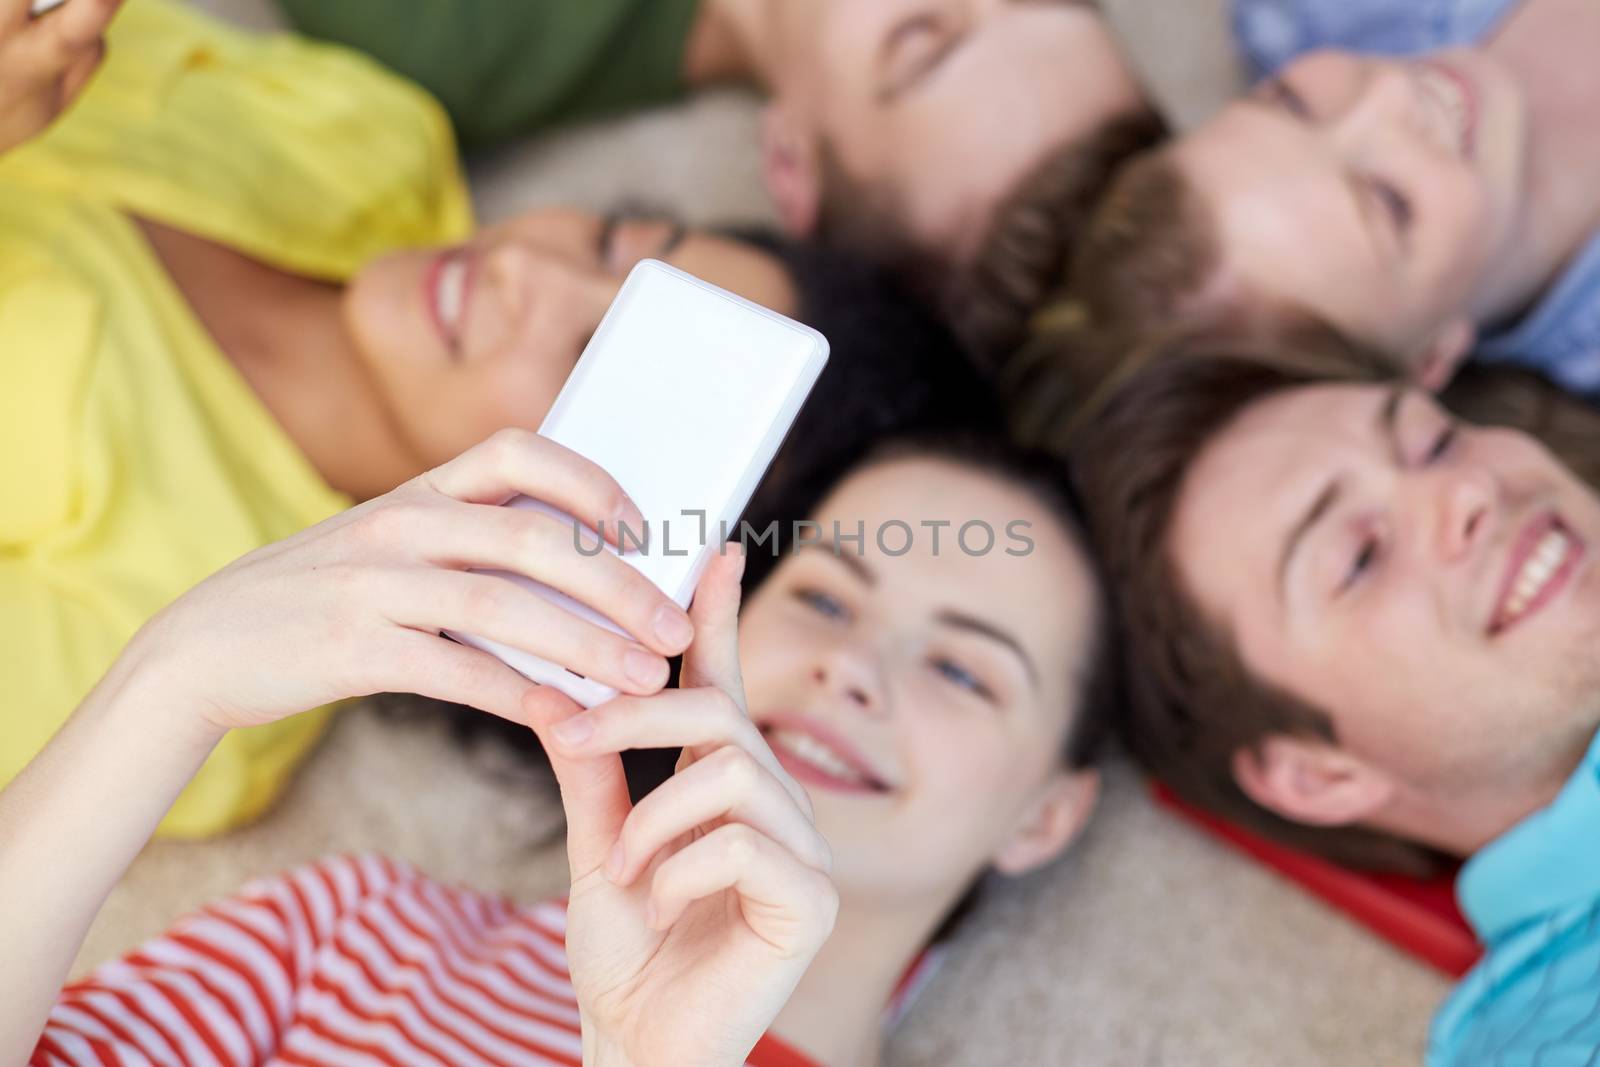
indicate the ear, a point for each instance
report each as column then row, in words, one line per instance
column 1311, row 782
column 1052, row 822
column 1445, row 353
column 791, row 168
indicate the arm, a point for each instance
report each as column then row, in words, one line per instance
column 350, row 607
column 45, row 62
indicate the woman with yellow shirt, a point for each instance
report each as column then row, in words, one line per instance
column 239, row 291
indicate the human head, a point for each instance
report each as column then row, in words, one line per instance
column 528, row 293
column 1384, row 197
column 897, row 126
column 970, row 705
column 1344, row 669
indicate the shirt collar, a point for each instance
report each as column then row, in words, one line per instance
column 1546, row 861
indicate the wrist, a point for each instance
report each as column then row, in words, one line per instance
column 149, row 686
column 600, row 1052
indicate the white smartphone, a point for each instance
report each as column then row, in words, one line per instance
column 43, row 7
column 683, row 395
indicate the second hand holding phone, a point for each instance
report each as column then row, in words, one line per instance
column 683, row 396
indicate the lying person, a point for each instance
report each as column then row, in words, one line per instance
column 940, row 714
column 1429, row 205
column 1367, row 629
column 881, row 129
column 244, row 275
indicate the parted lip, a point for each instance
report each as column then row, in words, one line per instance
column 454, row 266
column 1527, row 542
column 832, row 739
column 1467, row 128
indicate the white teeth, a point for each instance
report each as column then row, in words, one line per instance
column 451, row 291
column 1451, row 101
column 1542, row 562
column 816, row 753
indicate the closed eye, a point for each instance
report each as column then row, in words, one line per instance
column 1396, row 205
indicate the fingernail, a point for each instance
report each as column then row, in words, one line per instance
column 574, row 731
column 614, row 862
column 673, row 627
column 645, row 668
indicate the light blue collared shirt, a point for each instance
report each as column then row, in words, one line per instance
column 1560, row 334
column 1533, row 896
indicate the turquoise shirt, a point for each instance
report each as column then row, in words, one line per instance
column 1533, row 896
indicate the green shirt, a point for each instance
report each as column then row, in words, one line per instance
column 503, row 67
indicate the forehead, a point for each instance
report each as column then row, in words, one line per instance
column 1273, row 192
column 1053, row 70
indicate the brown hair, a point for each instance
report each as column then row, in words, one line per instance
column 1191, row 703
column 1032, row 242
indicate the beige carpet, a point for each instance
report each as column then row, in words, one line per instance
column 1149, row 946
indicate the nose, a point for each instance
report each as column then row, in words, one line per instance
column 1385, row 101
column 851, row 676
column 552, row 298
column 1468, row 502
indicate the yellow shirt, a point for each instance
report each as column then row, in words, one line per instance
column 134, row 460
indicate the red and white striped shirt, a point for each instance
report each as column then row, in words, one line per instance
column 351, row 961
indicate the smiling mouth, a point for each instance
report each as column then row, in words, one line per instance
column 1542, row 564
column 1456, row 98
column 814, row 760
column 445, row 289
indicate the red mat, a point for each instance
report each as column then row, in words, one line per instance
column 1419, row 917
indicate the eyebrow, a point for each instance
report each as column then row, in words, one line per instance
column 962, row 621
column 948, row 616
column 892, row 92
column 854, row 563
column 1387, row 425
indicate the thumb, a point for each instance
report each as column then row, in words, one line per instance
column 713, row 658
column 594, row 791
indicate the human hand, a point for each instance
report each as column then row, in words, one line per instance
column 694, row 914
column 46, row 61
column 355, row 604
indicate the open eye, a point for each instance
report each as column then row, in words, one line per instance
column 821, row 603
column 958, row 675
column 1366, row 557
column 1441, row 444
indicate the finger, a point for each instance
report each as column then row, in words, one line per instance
column 788, row 904
column 520, row 461
column 542, row 548
column 13, row 15
column 443, row 670
column 488, row 606
column 713, row 658
column 728, row 784
column 594, row 789
column 699, row 718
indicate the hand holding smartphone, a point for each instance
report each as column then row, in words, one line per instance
column 683, row 396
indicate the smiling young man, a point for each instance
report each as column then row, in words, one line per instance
column 1420, row 177
column 895, row 124
column 1361, row 627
